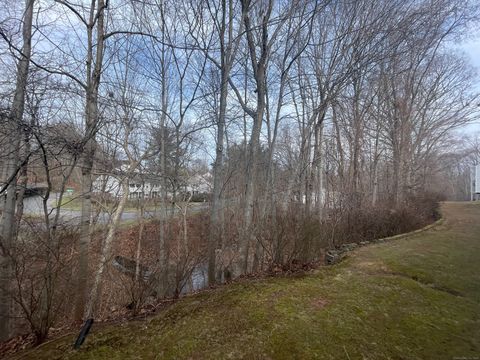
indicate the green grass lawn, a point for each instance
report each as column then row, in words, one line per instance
column 413, row 298
column 71, row 202
column 74, row 202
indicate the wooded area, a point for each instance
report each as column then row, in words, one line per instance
column 240, row 137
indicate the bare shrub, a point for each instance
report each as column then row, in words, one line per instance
column 291, row 239
column 42, row 276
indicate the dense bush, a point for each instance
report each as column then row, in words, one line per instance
column 299, row 239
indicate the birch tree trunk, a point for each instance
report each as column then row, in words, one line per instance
column 106, row 252
column 94, row 70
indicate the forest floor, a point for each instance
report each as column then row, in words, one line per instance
column 412, row 298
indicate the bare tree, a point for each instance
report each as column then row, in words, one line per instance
column 15, row 122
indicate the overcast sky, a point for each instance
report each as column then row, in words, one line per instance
column 472, row 49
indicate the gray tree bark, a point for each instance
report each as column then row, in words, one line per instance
column 259, row 70
column 8, row 224
column 227, row 55
column 94, row 70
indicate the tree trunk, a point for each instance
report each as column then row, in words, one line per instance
column 94, row 70
column 22, row 181
column 106, row 253
column 217, row 181
column 8, row 230
column 259, row 66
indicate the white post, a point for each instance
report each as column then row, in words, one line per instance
column 472, row 169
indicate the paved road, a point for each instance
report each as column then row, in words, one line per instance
column 34, row 206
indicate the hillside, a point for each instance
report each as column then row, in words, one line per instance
column 413, row 298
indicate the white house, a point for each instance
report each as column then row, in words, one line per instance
column 138, row 186
column 147, row 185
column 199, row 184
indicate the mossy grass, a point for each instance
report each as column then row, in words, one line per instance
column 412, row 298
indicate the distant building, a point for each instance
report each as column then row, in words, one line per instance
column 148, row 186
column 139, row 186
column 199, row 184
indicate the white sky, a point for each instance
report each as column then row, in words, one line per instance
column 472, row 49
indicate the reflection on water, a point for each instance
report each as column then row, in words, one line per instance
column 197, row 281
